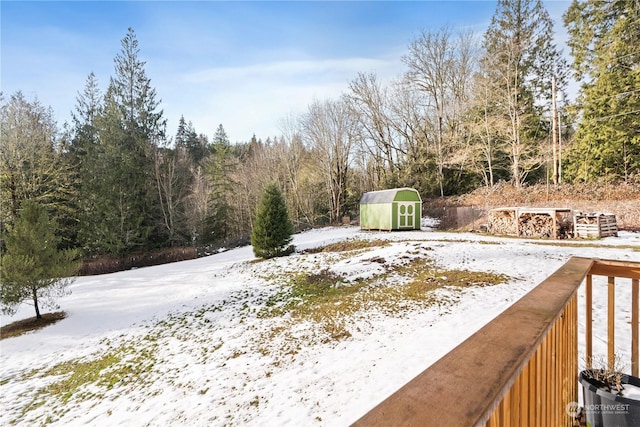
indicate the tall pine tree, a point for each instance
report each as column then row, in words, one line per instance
column 122, row 203
column 188, row 140
column 86, row 155
column 604, row 44
column 218, row 167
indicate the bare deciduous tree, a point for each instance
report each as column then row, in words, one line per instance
column 519, row 61
column 441, row 67
column 330, row 130
column 31, row 165
column 369, row 101
column 173, row 182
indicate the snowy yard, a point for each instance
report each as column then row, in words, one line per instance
column 196, row 343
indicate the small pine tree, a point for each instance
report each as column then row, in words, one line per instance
column 272, row 228
column 33, row 268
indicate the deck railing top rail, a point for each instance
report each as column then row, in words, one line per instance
column 465, row 386
column 614, row 268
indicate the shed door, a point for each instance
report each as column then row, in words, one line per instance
column 406, row 214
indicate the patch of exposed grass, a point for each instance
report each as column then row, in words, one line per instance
column 348, row 245
column 478, row 242
column 126, row 365
column 422, row 273
column 322, row 298
column 317, row 287
column 417, row 283
column 23, row 326
column 324, row 293
column 305, row 292
column 77, row 373
column 326, row 299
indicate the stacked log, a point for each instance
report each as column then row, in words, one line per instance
column 536, row 225
column 502, row 222
column 531, row 222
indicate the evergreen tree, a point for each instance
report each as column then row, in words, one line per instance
column 135, row 97
column 220, row 137
column 144, row 130
column 604, row 44
column 181, row 133
column 121, row 207
column 188, row 140
column 88, row 107
column 272, row 228
column 85, row 155
column 219, row 165
column 33, row 268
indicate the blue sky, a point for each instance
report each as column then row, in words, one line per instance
column 245, row 65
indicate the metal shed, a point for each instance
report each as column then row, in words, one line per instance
column 394, row 209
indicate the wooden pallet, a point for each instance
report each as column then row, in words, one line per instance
column 595, row 225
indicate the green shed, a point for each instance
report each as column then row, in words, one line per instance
column 395, row 209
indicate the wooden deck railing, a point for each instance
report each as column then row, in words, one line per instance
column 519, row 369
column 613, row 270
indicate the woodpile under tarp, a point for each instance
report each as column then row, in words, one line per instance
column 555, row 223
column 595, row 225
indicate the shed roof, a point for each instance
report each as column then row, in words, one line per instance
column 381, row 196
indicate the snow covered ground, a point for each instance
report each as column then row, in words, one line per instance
column 201, row 354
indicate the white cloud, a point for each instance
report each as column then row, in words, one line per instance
column 253, row 99
column 287, row 68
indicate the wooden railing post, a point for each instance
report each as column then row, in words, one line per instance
column 589, row 321
column 611, row 322
column 635, row 297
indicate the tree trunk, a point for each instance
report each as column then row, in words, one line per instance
column 440, row 156
column 554, row 130
column 34, row 294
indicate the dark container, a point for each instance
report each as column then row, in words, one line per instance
column 606, row 409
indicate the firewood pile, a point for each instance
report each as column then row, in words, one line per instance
column 590, row 225
column 502, row 222
column 531, row 222
column 535, row 225
column 543, row 225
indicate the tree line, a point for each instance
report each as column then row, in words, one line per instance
column 465, row 113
